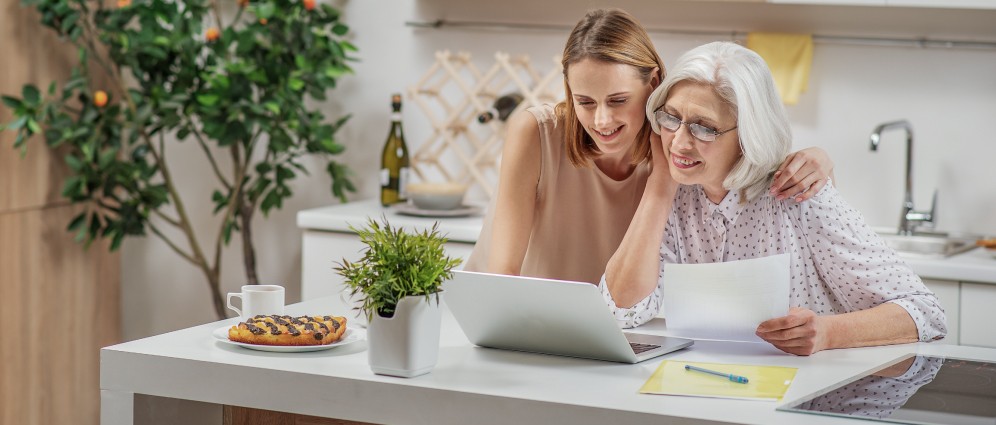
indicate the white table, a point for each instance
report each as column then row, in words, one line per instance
column 470, row 385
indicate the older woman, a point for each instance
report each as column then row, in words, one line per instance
column 724, row 132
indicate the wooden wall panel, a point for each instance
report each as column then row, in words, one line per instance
column 59, row 303
column 59, row 306
column 235, row 415
column 31, row 54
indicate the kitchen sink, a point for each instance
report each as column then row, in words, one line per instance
column 928, row 244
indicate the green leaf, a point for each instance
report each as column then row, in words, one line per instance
column 106, row 157
column 347, row 46
column 265, row 10
column 30, row 94
column 76, row 222
column 340, row 29
column 207, row 99
column 12, row 102
column 332, row 147
column 33, row 126
column 296, row 84
column 273, row 107
column 335, row 71
column 74, row 163
column 18, row 123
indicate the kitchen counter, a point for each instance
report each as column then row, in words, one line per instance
column 338, row 218
column 972, row 266
column 976, row 265
column 192, row 374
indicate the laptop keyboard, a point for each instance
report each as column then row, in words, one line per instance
column 639, row 348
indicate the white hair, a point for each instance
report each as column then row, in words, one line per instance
column 742, row 79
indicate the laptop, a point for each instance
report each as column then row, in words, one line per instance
column 546, row 316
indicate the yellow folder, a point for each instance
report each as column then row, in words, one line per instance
column 764, row 382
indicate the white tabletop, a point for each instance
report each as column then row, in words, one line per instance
column 469, row 384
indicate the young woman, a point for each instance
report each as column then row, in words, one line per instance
column 724, row 131
column 573, row 174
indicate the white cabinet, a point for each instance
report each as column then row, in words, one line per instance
column 950, row 4
column 953, row 4
column 947, row 293
column 322, row 250
column 327, row 240
column 978, row 304
column 833, row 2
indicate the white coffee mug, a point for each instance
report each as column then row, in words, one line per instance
column 258, row 299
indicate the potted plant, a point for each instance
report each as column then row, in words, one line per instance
column 240, row 79
column 398, row 281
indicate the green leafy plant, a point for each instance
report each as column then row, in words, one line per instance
column 396, row 264
column 153, row 73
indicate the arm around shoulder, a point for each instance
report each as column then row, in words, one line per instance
column 517, row 189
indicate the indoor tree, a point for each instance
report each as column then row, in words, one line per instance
column 152, row 73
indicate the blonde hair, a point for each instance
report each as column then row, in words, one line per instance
column 612, row 36
column 742, row 79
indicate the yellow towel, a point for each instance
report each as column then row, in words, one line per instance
column 790, row 56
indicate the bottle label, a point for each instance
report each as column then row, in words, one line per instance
column 403, row 183
column 385, row 177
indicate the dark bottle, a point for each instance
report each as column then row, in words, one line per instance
column 394, row 161
column 501, row 109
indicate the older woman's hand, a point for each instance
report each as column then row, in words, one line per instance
column 802, row 174
column 802, row 332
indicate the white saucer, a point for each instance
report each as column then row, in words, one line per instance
column 350, row 336
column 463, row 211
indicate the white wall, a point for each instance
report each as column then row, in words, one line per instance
column 948, row 95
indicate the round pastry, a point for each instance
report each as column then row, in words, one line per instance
column 287, row 330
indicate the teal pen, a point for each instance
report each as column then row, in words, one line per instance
column 735, row 378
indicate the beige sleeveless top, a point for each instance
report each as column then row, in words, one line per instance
column 581, row 214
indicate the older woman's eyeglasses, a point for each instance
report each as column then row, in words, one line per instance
column 672, row 123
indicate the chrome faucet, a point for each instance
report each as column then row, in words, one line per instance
column 910, row 218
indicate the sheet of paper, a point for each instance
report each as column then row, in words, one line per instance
column 725, row 301
column 763, row 382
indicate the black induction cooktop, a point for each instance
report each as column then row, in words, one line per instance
column 913, row 389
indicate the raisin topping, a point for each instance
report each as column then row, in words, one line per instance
column 273, row 328
column 255, row 331
column 319, row 336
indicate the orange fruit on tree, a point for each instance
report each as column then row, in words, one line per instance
column 263, row 21
column 124, row 3
column 212, row 34
column 309, row 4
column 243, row 3
column 100, row 98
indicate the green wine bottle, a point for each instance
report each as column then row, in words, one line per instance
column 394, row 161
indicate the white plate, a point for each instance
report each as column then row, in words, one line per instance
column 350, row 336
column 463, row 211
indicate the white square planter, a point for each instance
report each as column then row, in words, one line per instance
column 407, row 344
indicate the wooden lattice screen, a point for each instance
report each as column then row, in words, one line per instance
column 452, row 93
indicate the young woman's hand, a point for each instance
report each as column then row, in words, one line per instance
column 802, row 174
column 802, row 332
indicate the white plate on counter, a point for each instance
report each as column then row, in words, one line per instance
column 350, row 336
column 463, row 211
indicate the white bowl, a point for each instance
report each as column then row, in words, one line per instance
column 436, row 196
